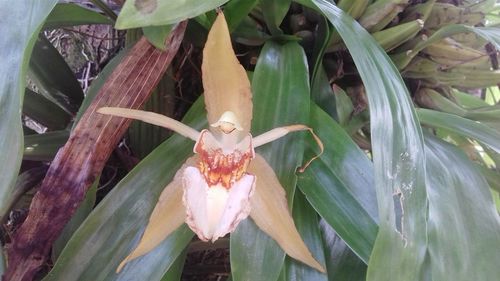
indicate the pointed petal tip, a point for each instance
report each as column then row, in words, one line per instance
column 122, row 264
column 225, row 81
column 271, row 214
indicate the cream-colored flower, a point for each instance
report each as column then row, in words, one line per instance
column 225, row 181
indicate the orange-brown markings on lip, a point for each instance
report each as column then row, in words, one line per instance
column 225, row 169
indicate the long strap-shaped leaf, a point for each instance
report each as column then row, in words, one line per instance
column 18, row 38
column 397, row 154
column 82, row 158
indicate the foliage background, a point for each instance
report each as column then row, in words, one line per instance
column 407, row 186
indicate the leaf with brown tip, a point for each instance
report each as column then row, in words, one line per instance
column 225, row 81
column 270, row 213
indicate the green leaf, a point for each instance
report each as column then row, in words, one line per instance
column 140, row 13
column 18, row 38
column 274, row 11
column 345, row 108
column 491, row 34
column 43, row 147
column 44, row 111
column 322, row 93
column 70, row 14
column 492, row 176
column 461, row 212
column 118, row 222
column 340, row 185
column 462, row 126
column 157, row 35
column 53, row 76
column 342, row 263
column 467, row 100
column 323, row 36
column 397, row 150
column 307, row 223
column 174, row 273
column 280, row 88
column 236, row 11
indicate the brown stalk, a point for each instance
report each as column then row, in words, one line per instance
column 79, row 162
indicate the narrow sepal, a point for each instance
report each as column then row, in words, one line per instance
column 168, row 214
column 271, row 214
column 225, row 81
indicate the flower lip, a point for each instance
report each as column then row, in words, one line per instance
column 228, row 122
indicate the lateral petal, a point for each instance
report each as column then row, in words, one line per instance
column 225, row 81
column 270, row 213
column 168, row 214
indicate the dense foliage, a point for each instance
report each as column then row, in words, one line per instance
column 403, row 94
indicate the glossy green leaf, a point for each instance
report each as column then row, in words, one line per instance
column 461, row 212
column 280, row 87
column 345, row 108
column 118, row 222
column 462, row 126
column 434, row 100
column 274, row 11
column 307, row 223
column 18, row 38
column 397, row 150
column 340, row 185
column 54, row 78
column 174, row 273
column 43, row 147
column 323, row 36
column 70, row 14
column 322, row 93
column 249, row 33
column 236, row 11
column 140, row 13
column 44, row 111
column 157, row 35
column 342, row 263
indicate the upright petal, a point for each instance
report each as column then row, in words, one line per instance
column 168, row 214
column 225, row 81
column 270, row 213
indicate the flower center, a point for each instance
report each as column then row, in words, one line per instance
column 221, row 165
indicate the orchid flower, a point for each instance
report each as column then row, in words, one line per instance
column 225, row 181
